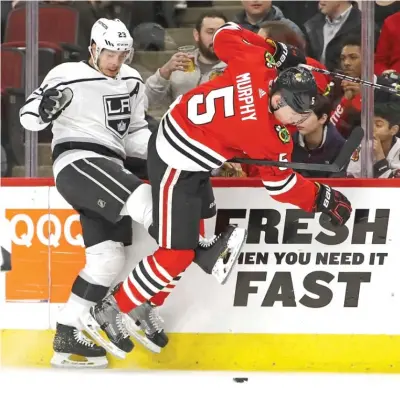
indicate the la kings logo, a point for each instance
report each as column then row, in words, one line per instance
column 117, row 109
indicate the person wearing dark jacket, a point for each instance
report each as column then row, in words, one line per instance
column 256, row 12
column 327, row 29
column 317, row 140
column 297, row 11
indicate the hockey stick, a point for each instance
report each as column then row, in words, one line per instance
column 338, row 75
column 352, row 143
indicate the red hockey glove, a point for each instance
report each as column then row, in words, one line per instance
column 287, row 56
column 332, row 203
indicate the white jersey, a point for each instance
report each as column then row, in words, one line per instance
column 387, row 168
column 105, row 113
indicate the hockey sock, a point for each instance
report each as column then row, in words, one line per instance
column 150, row 276
column 160, row 297
column 202, row 228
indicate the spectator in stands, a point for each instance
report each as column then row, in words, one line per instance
column 384, row 9
column 171, row 80
column 280, row 31
column 256, row 12
column 317, row 140
column 298, row 11
column 387, row 55
column 325, row 31
column 386, row 146
column 347, row 114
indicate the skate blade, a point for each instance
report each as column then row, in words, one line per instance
column 221, row 269
column 134, row 331
column 62, row 361
column 93, row 328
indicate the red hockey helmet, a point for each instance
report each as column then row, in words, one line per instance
column 297, row 87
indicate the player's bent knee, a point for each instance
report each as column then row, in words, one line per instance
column 174, row 260
column 104, row 262
column 139, row 205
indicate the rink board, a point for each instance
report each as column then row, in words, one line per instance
column 231, row 352
column 303, row 297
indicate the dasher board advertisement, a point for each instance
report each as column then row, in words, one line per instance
column 303, row 296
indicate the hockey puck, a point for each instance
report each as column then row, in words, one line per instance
column 240, row 379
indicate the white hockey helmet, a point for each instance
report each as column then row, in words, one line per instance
column 111, row 35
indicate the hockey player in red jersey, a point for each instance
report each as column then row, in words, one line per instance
column 242, row 112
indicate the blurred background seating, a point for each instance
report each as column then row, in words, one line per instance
column 160, row 27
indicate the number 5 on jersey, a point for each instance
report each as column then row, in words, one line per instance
column 208, row 103
column 283, row 158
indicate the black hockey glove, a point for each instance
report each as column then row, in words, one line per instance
column 53, row 103
column 332, row 203
column 287, row 56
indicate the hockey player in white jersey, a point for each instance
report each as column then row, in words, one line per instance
column 96, row 109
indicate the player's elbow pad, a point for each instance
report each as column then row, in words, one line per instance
column 31, row 121
column 227, row 26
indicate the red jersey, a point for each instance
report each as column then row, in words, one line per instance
column 229, row 116
column 347, row 115
column 387, row 55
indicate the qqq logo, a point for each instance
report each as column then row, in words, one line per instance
column 47, row 254
column 55, row 229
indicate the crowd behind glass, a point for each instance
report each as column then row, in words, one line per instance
column 173, row 53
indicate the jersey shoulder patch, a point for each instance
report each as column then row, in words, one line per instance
column 283, row 133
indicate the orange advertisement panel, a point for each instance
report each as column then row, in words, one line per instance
column 47, row 254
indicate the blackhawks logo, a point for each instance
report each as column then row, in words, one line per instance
column 283, row 133
column 298, row 77
column 269, row 60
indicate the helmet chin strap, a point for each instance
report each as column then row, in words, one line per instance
column 95, row 58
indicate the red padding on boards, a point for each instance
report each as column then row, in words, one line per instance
column 230, row 182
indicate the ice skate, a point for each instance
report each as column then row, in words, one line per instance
column 146, row 319
column 72, row 349
column 106, row 316
column 219, row 255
